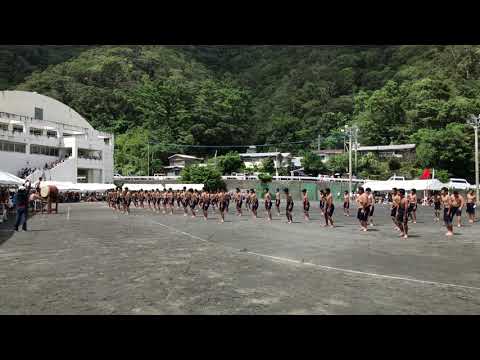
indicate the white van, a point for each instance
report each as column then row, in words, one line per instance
column 460, row 184
column 397, row 178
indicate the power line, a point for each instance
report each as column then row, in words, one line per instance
column 234, row 146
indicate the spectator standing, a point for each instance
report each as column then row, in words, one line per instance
column 3, row 204
column 38, row 184
column 21, row 205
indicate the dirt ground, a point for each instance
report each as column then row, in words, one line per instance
column 91, row 260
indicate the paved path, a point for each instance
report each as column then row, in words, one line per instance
column 101, row 262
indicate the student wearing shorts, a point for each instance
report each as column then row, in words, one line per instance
column 277, row 201
column 346, row 204
column 471, row 205
column 306, row 205
column 289, row 206
column 329, row 208
column 402, row 214
column 253, row 203
column 268, row 204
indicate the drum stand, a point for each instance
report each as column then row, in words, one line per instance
column 49, row 206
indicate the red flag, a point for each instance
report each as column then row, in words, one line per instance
column 426, row 174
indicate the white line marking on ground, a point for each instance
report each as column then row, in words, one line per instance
column 325, row 267
column 363, row 273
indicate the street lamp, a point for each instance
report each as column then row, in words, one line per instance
column 351, row 131
column 355, row 136
column 474, row 121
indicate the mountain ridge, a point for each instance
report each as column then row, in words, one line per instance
column 224, row 95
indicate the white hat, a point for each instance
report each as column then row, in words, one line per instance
column 21, row 188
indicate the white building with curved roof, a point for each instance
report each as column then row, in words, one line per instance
column 38, row 132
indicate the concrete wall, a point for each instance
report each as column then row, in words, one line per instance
column 107, row 158
column 66, row 171
column 12, row 162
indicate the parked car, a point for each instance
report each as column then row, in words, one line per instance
column 460, row 184
column 396, row 178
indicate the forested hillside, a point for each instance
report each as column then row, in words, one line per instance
column 17, row 62
column 269, row 94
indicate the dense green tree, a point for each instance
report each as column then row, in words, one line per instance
column 338, row 164
column 370, row 167
column 17, row 62
column 313, row 164
column 442, row 175
column 222, row 95
column 394, row 164
column 229, row 163
column 131, row 152
column 265, row 177
column 449, row 149
column 268, row 166
column 207, row 175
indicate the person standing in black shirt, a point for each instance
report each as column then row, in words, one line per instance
column 21, row 205
column 289, row 207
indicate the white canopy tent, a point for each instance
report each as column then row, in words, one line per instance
column 62, row 186
column 419, row 185
column 94, row 187
column 9, row 179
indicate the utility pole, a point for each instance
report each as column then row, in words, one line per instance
column 474, row 121
column 350, row 163
column 318, row 143
column 352, row 132
column 356, row 146
column 349, row 131
column 276, row 162
column 148, row 158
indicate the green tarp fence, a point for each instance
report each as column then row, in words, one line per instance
column 313, row 189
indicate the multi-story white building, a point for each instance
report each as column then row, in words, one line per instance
column 39, row 132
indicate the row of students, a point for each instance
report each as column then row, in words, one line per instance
column 404, row 208
column 121, row 200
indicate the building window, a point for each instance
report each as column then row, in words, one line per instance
column 20, row 148
column 3, row 127
column 89, row 154
column 12, row 147
column 51, row 133
column 43, row 150
column 39, row 113
column 106, row 141
column 17, row 128
column 36, row 132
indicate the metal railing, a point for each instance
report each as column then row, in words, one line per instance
column 245, row 177
column 12, row 132
column 147, row 178
column 65, row 127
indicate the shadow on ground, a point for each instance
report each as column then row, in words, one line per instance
column 6, row 229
